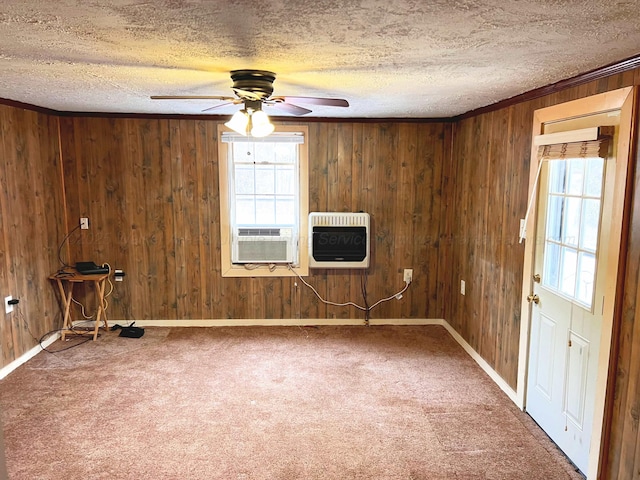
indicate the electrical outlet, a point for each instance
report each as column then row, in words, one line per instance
column 463, row 288
column 8, row 308
column 84, row 223
column 408, row 275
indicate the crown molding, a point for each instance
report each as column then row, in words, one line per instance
column 595, row 74
column 28, row 106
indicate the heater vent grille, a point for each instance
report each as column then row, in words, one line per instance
column 339, row 240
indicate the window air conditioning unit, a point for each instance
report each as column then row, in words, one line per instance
column 263, row 245
column 339, row 240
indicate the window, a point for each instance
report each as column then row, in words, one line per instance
column 263, row 202
column 573, row 222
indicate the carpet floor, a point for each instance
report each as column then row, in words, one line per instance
column 245, row 403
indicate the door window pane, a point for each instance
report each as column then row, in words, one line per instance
column 568, row 266
column 575, row 177
column 557, row 170
column 593, row 183
column 589, row 224
column 586, row 277
column 551, row 271
column 571, row 220
column 554, row 217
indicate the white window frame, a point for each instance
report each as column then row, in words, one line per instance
column 229, row 269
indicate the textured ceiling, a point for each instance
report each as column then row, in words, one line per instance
column 388, row 58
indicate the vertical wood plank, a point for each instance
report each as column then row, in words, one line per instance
column 403, row 215
column 318, row 202
column 446, row 288
column 143, row 271
column 438, row 144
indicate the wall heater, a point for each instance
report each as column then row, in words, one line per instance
column 339, row 240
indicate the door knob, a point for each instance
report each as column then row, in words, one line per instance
column 533, row 298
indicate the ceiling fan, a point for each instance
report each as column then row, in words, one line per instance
column 253, row 88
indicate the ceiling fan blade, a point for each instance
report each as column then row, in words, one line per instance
column 218, row 106
column 329, row 102
column 190, row 97
column 289, row 108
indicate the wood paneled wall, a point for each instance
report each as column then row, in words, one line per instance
column 150, row 190
column 491, row 172
column 32, row 213
column 488, row 197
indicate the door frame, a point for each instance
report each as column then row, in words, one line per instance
column 624, row 100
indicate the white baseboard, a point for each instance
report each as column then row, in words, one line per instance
column 504, row 386
column 277, row 322
column 7, row 369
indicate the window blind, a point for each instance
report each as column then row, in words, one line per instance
column 595, row 148
column 587, row 149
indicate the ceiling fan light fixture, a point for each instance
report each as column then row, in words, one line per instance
column 254, row 88
column 239, row 122
column 260, row 124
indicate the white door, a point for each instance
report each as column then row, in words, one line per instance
column 568, row 301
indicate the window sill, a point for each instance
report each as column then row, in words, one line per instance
column 239, row 271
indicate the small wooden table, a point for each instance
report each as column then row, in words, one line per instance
column 66, row 280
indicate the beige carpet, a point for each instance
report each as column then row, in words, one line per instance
column 268, row 403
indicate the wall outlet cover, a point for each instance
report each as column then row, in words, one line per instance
column 408, row 275
column 8, row 308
